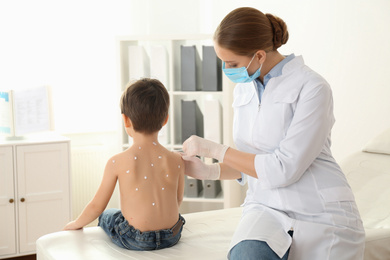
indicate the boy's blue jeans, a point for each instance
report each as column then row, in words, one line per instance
column 126, row 236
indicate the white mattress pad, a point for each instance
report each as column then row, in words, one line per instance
column 206, row 235
column 369, row 177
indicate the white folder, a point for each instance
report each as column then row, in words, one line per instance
column 213, row 120
column 138, row 63
column 159, row 68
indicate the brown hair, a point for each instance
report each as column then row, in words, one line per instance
column 146, row 103
column 246, row 30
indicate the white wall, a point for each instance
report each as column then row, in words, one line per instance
column 70, row 45
column 345, row 41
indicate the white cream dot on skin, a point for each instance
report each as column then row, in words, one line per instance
column 153, row 203
column 139, row 147
column 127, row 171
column 113, row 161
column 152, row 164
column 145, row 177
column 160, row 157
column 167, row 175
column 163, row 188
column 154, row 143
column 178, row 166
column 135, row 157
column 136, row 189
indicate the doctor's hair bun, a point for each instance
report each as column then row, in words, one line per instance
column 246, row 30
column 279, row 29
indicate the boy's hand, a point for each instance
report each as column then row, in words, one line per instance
column 196, row 145
column 72, row 226
column 194, row 167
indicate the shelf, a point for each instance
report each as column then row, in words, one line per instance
column 167, row 37
column 174, row 147
column 177, row 147
column 172, row 80
column 218, row 199
column 179, row 93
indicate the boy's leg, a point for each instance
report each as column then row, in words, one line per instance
column 107, row 221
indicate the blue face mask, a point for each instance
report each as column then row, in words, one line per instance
column 240, row 75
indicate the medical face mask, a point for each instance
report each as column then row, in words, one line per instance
column 240, row 75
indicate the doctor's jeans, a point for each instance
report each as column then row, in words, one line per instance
column 254, row 250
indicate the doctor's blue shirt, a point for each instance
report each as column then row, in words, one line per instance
column 276, row 71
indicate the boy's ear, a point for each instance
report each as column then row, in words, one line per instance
column 166, row 120
column 126, row 121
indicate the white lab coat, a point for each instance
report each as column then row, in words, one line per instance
column 299, row 185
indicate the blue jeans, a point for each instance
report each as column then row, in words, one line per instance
column 126, row 236
column 255, row 249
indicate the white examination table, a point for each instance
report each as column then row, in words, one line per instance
column 368, row 173
column 206, row 235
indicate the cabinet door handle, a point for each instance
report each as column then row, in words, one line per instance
column 11, row 200
column 22, row 199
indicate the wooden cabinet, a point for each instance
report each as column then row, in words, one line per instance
column 34, row 192
column 7, row 202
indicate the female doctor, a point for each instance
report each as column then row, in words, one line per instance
column 298, row 204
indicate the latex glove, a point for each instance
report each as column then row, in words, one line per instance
column 194, row 167
column 196, row 145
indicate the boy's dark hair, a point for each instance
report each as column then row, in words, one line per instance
column 146, row 103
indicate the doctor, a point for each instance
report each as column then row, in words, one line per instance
column 298, row 204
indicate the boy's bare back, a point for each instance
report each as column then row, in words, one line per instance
column 151, row 184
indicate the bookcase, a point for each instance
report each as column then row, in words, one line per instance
column 231, row 195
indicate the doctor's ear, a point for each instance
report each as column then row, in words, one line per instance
column 261, row 56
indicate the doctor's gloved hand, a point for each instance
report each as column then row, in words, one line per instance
column 194, row 167
column 196, row 145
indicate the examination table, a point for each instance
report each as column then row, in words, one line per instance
column 206, row 235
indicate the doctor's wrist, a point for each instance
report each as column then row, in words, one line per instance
column 214, row 171
column 221, row 151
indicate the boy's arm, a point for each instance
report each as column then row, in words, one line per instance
column 99, row 202
column 180, row 189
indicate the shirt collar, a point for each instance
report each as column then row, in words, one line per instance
column 276, row 71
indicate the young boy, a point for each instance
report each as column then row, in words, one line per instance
column 151, row 178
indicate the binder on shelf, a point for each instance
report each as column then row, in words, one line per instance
column 159, row 64
column 163, row 135
column 212, row 188
column 191, row 119
column 213, row 120
column 190, row 68
column 211, row 70
column 193, row 187
column 139, row 65
column 129, row 140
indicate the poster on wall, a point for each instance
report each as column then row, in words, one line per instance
column 24, row 111
column 6, row 118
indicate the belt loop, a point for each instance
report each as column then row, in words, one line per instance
column 158, row 239
column 176, row 228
